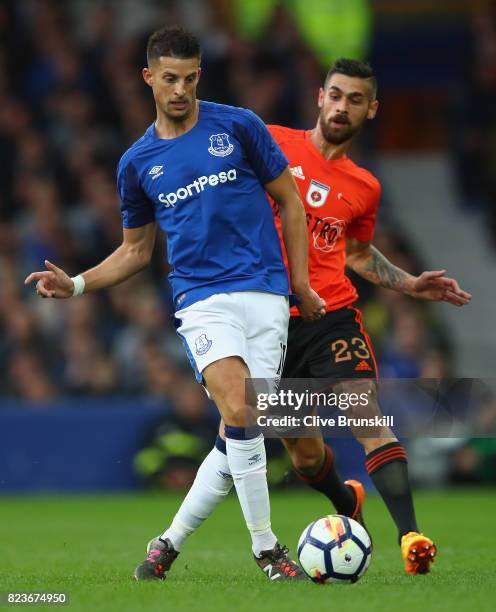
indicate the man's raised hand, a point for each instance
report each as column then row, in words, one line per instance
column 52, row 283
column 436, row 286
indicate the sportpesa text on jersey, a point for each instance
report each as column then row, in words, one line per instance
column 205, row 190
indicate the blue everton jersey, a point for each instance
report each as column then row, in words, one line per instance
column 205, row 190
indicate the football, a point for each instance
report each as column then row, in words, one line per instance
column 334, row 548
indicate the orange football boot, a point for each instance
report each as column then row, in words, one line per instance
column 418, row 552
column 357, row 513
column 359, row 492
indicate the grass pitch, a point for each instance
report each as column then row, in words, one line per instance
column 89, row 546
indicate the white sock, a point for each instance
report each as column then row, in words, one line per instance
column 212, row 483
column 248, row 466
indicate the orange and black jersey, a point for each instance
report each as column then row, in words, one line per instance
column 341, row 200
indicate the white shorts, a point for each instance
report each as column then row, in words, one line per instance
column 248, row 324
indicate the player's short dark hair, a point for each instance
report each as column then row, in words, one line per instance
column 172, row 41
column 354, row 68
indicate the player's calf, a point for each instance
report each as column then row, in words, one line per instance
column 245, row 449
column 325, row 478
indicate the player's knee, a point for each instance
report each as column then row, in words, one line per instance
column 235, row 413
column 307, row 461
column 226, row 382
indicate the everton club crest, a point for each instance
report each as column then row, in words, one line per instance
column 220, row 145
column 202, row 344
column 317, row 193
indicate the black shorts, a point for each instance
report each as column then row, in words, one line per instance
column 336, row 346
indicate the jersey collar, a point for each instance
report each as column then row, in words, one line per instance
column 152, row 132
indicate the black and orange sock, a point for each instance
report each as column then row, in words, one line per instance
column 388, row 468
column 328, row 482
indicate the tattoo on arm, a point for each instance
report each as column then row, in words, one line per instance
column 380, row 271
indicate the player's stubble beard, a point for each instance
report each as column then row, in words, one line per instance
column 334, row 136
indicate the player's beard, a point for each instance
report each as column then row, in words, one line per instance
column 337, row 136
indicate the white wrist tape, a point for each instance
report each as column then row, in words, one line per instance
column 79, row 285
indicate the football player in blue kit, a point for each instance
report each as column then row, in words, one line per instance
column 200, row 172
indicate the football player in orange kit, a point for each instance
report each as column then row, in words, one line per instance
column 341, row 201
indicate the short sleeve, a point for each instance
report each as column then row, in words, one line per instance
column 136, row 208
column 363, row 227
column 263, row 153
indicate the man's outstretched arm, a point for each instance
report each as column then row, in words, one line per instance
column 130, row 257
column 369, row 263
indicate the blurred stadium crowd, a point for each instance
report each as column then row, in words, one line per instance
column 475, row 119
column 71, row 101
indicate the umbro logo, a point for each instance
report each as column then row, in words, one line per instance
column 156, row 171
column 224, row 475
column 254, row 458
column 297, row 172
